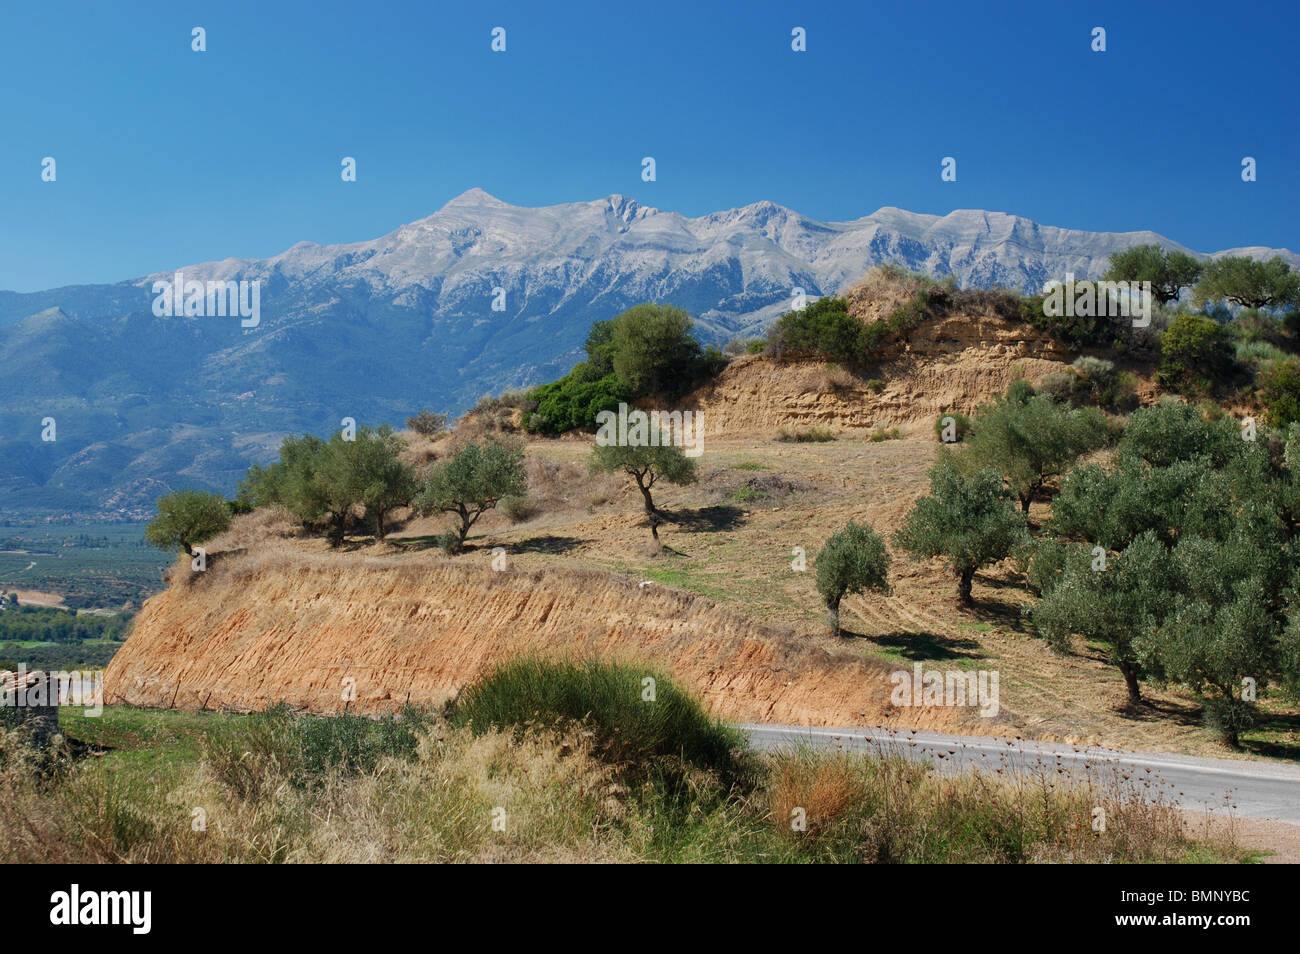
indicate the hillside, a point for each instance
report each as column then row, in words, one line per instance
column 281, row 617
column 285, row 617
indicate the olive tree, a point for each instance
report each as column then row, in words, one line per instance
column 1032, row 441
column 1197, row 528
column 1111, row 599
column 969, row 520
column 1249, row 283
column 472, row 483
column 380, row 480
column 646, row 464
column 185, row 518
column 1168, row 270
column 852, row 560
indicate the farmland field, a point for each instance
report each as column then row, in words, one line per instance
column 79, row 565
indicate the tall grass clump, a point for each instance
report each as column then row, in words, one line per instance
column 250, row 757
column 638, row 717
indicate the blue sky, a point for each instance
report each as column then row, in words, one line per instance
column 167, row 157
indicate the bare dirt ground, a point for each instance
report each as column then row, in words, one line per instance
column 41, row 598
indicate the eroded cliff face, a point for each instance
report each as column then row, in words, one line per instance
column 948, row 365
column 301, row 627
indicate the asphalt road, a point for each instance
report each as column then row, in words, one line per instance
column 1248, row 789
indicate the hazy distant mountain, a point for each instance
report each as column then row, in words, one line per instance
column 378, row 330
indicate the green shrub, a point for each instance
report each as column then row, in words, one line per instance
column 653, row 352
column 647, row 350
column 516, row 508
column 638, row 715
column 907, row 316
column 1256, row 353
column 952, row 428
column 428, row 423
column 1060, row 386
column 824, row 329
column 1073, row 331
column 811, row 435
column 1099, row 382
column 1195, row 353
column 250, row 757
column 746, row 493
column 572, row 402
column 1279, row 389
column 739, row 346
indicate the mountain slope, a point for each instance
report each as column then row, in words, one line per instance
column 377, row 330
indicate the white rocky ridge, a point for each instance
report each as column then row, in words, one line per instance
column 734, row 270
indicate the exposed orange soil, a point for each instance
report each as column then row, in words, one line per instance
column 301, row 627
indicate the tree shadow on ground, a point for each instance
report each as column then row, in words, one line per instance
column 923, row 645
column 1156, row 710
column 1279, row 722
column 716, row 518
column 997, row 612
column 549, row 543
column 425, row 542
column 1000, row 582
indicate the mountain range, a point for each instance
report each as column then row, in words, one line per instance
column 378, row 330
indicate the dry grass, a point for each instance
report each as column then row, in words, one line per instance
column 419, row 450
column 438, row 807
column 259, row 527
column 881, row 291
column 885, row 288
column 558, row 486
column 815, row 377
column 493, row 417
column 809, row 435
column 546, row 796
column 890, row 809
